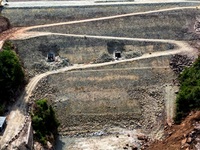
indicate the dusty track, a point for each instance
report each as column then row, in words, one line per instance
column 182, row 46
column 106, row 18
column 25, row 29
column 17, row 116
column 7, row 35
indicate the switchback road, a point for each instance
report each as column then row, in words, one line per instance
column 16, row 118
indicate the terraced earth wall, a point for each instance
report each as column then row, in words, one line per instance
column 77, row 50
column 92, row 99
column 126, row 94
column 39, row 15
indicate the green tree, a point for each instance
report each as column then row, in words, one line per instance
column 44, row 120
column 11, row 73
column 188, row 97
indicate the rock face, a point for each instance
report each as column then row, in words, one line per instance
column 179, row 62
column 4, row 24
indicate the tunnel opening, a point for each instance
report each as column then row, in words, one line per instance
column 117, row 55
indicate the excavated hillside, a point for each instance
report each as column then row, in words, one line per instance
column 185, row 136
column 4, row 24
column 94, row 93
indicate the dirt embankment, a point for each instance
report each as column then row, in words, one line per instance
column 4, row 24
column 102, row 97
column 184, row 136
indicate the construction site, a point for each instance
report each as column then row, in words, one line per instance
column 109, row 69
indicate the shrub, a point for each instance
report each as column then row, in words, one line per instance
column 189, row 94
column 44, row 121
column 11, row 73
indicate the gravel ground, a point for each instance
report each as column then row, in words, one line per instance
column 92, row 101
column 33, row 52
column 85, row 99
column 165, row 25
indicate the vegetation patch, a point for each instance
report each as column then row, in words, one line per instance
column 44, row 121
column 189, row 94
column 11, row 75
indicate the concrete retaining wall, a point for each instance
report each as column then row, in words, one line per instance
column 27, row 144
column 29, row 141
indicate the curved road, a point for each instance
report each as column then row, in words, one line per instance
column 17, row 116
column 104, row 18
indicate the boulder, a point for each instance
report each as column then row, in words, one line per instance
column 142, row 137
column 49, row 146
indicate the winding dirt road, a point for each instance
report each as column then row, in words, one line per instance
column 17, row 116
column 19, row 113
column 106, row 18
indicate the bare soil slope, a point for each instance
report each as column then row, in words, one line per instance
column 4, row 24
column 183, row 136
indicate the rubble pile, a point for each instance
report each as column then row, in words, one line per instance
column 44, row 66
column 179, row 62
column 192, row 140
column 184, row 136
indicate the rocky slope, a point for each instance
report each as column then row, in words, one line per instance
column 4, row 24
column 185, row 136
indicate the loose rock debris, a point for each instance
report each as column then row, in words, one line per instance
column 179, row 62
